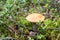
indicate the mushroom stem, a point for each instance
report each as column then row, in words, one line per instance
column 35, row 28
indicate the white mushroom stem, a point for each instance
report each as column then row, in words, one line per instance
column 35, row 28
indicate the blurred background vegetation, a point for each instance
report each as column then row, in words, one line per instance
column 13, row 22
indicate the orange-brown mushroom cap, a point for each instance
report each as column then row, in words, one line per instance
column 35, row 17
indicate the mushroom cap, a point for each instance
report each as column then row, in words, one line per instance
column 35, row 17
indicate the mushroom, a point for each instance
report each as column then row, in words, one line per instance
column 35, row 17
